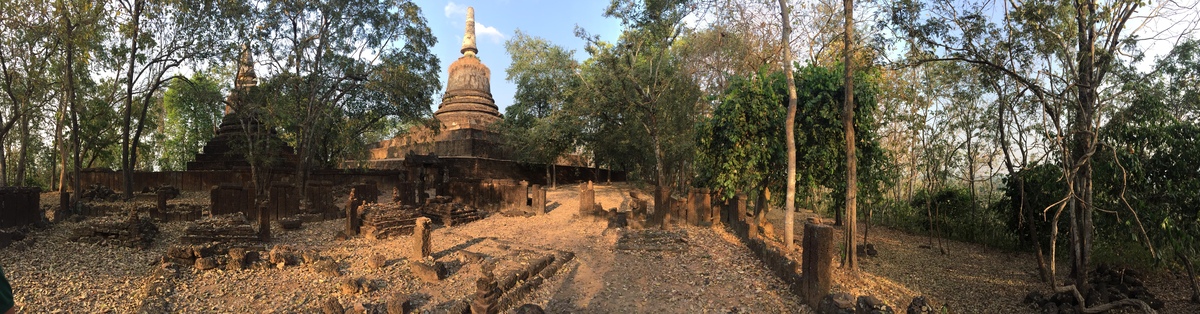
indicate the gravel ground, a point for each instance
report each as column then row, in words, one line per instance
column 704, row 270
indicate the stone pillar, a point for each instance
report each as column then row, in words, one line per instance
column 264, row 224
column 352, row 204
column 706, row 212
column 64, row 203
column 691, row 209
column 539, row 199
column 816, row 263
column 161, row 206
column 421, row 247
column 739, row 218
column 587, row 199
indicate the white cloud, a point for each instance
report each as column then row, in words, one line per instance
column 481, row 31
column 453, row 9
column 488, row 32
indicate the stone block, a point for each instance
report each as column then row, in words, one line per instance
column 421, row 244
column 427, row 271
column 816, row 263
column 20, row 206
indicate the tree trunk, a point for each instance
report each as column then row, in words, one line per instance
column 851, row 261
column 60, row 152
column 23, row 153
column 1191, row 272
column 71, row 104
column 1082, row 143
column 970, row 132
column 3, row 163
column 126, row 150
column 789, row 126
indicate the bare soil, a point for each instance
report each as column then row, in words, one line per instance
column 686, row 270
column 682, row 270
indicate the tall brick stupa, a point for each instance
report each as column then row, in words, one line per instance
column 466, row 113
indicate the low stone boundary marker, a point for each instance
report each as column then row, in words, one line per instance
column 811, row 279
column 587, row 200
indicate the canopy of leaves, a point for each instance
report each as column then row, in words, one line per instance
column 741, row 145
column 193, row 110
column 536, row 128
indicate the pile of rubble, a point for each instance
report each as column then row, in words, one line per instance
column 230, row 228
column 132, row 231
column 384, row 221
column 216, row 255
column 97, row 192
column 1109, row 284
column 442, row 210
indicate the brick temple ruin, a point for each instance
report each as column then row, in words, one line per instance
column 461, row 161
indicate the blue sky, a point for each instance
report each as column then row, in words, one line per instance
column 497, row 20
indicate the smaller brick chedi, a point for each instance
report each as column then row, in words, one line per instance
column 465, row 114
column 242, row 129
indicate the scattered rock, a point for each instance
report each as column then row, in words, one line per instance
column 1033, row 297
column 237, row 259
column 919, row 305
column 468, row 257
column 377, row 261
column 282, row 255
column 206, row 263
column 179, row 252
column 528, row 309
column 289, row 223
column 872, row 305
column 310, row 256
column 204, row 250
column 429, row 272
column 836, row 303
column 400, row 304
column 350, row 285
column 326, row 268
column 332, row 306
column 1109, row 284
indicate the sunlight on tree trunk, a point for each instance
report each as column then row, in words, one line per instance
column 851, row 261
column 789, row 126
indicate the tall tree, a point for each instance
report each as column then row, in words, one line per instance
column 156, row 37
column 340, row 61
column 537, row 128
column 851, row 261
column 193, row 110
column 1063, row 52
column 79, row 29
column 642, row 80
column 789, row 127
column 25, row 77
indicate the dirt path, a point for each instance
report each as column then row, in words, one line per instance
column 710, row 273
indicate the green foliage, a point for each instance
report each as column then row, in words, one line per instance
column 955, row 218
column 193, row 110
column 1043, row 188
column 536, row 128
column 342, row 69
column 1151, row 159
column 638, row 102
column 739, row 145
